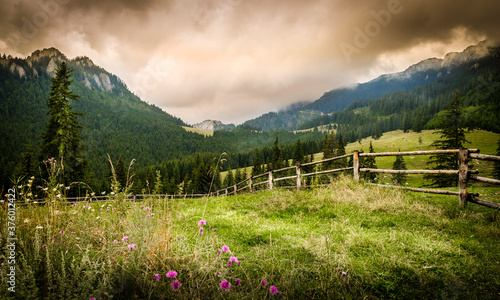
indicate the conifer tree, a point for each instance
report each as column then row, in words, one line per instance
column 452, row 137
column 369, row 162
column 62, row 140
column 257, row 164
column 277, row 162
column 298, row 154
column 399, row 164
column 496, row 166
column 121, row 176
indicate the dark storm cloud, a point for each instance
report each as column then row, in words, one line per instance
column 236, row 59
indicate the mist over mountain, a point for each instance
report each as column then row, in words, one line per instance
column 424, row 72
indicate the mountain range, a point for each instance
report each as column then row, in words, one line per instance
column 119, row 123
column 424, row 72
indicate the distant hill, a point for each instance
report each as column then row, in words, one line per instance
column 213, row 125
column 422, row 73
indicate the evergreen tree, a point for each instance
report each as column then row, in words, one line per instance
column 62, row 138
column 496, row 166
column 237, row 176
column 369, row 162
column 399, row 164
column 26, row 167
column 257, row 164
column 341, row 163
column 277, row 162
column 298, row 155
column 121, row 176
column 229, row 179
column 452, row 137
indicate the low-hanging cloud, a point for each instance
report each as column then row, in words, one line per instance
column 235, row 59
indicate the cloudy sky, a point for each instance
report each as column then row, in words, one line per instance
column 233, row 60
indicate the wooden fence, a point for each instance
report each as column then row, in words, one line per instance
column 464, row 174
column 271, row 178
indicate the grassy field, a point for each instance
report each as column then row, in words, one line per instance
column 344, row 241
column 205, row 132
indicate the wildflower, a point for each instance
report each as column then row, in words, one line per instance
column 72, row 232
column 238, row 282
column 92, row 299
column 273, row 290
column 67, row 188
column 147, row 208
column 114, row 207
column 44, row 245
column 225, row 285
column 175, row 285
column 115, row 241
column 100, row 209
column 152, row 215
column 344, row 273
column 124, row 238
column 131, row 246
column 147, row 216
column 225, row 248
column 73, row 204
column 112, row 193
column 61, row 232
column 231, row 260
column 157, row 276
column 217, row 273
column 58, row 195
column 263, row 282
column 218, row 252
column 171, row 274
column 202, row 222
column 201, row 230
column 103, row 193
column 98, row 231
column 214, row 230
column 26, row 221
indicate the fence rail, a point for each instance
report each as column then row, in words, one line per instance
column 465, row 175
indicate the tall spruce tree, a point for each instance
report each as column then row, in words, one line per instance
column 369, row 162
column 257, row 164
column 277, row 162
column 452, row 136
column 399, row 164
column 62, row 140
column 298, row 154
column 496, row 166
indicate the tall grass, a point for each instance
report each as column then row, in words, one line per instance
column 344, row 241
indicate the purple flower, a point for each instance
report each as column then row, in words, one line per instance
column 73, row 204
column 273, row 290
column 171, row 274
column 263, row 282
column 218, row 252
column 157, row 276
column 114, row 207
column 344, row 273
column 202, row 222
column 147, row 208
column 124, row 238
column 116, row 241
column 225, row 248
column 225, row 285
column 238, row 282
column 131, row 246
column 214, row 230
column 72, row 232
column 92, row 299
column 61, row 232
column 231, row 260
column 175, row 285
column 201, row 230
column 44, row 245
column 147, row 216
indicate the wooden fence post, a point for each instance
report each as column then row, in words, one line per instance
column 463, row 169
column 355, row 164
column 235, row 189
column 271, row 180
column 299, row 178
column 250, row 184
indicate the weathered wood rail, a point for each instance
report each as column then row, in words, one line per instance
column 270, row 178
column 465, row 175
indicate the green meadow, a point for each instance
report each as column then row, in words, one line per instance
column 343, row 241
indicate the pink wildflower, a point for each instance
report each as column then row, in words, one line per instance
column 171, row 274
column 225, row 248
column 175, row 285
column 115, row 241
column 157, row 276
column 44, row 245
column 238, row 282
column 61, row 232
column 132, row 246
column 273, row 290
column 263, row 282
column 202, row 222
column 201, row 230
column 124, row 238
column 225, row 285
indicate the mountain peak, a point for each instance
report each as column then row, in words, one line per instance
column 213, row 125
column 47, row 52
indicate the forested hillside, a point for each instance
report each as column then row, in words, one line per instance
column 115, row 121
column 479, row 60
column 418, row 109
